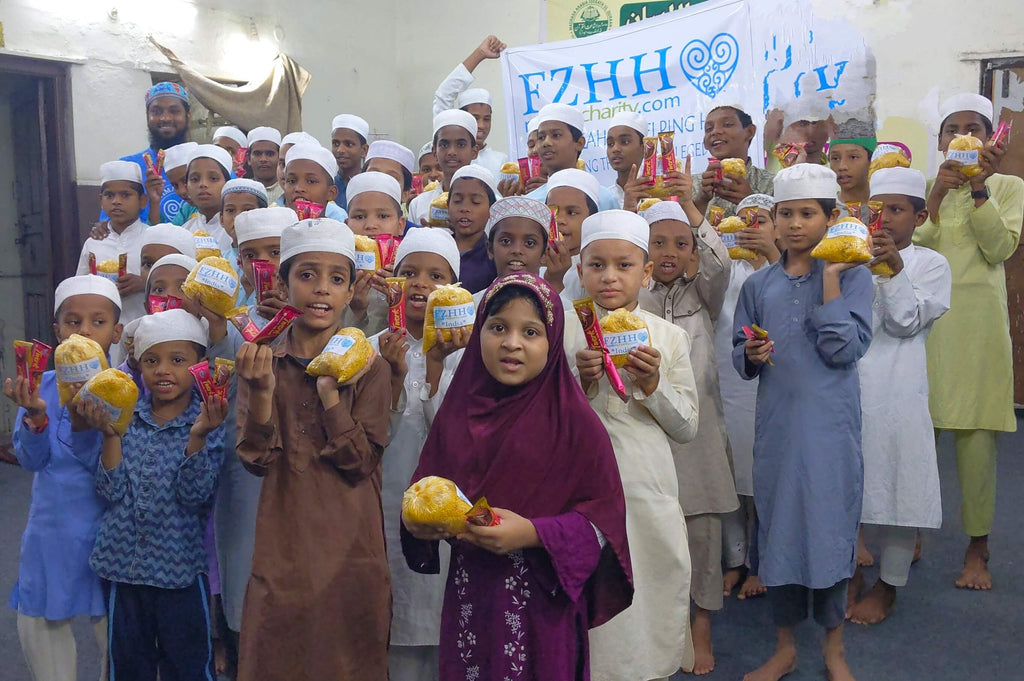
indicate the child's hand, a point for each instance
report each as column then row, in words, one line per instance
column 734, row 188
column 510, row 188
column 884, row 249
column 758, row 350
column 490, row 48
column 379, row 279
column 836, row 268
column 759, row 241
column 254, row 364
column 680, row 184
column 361, row 293
column 559, row 260
column 534, row 183
column 154, row 185
column 513, row 533
column 212, row 413
column 989, row 159
column 19, row 391
column 425, row 532
column 273, row 301
column 101, row 230
column 636, row 189
column 709, row 179
column 130, row 284
column 443, row 348
column 949, row 176
column 590, row 364
column 393, row 346
column 94, row 415
column 642, row 365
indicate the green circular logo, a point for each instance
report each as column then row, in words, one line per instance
column 590, row 17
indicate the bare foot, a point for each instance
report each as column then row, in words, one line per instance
column 752, row 587
column 853, row 590
column 864, row 557
column 835, row 658
column 703, row 652
column 876, row 604
column 731, row 578
column 781, row 663
column 975, row 574
column 917, row 549
column 220, row 657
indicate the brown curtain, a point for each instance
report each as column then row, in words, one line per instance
column 275, row 100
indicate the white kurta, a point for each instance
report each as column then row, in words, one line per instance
column 618, row 192
column 901, row 476
column 213, row 228
column 650, row 639
column 492, row 159
column 419, row 207
column 739, row 397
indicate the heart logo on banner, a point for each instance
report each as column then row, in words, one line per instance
column 710, row 67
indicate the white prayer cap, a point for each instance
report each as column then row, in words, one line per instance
column 85, row 284
column 173, row 236
column 805, row 181
column 187, row 262
column 315, row 153
column 474, row 95
column 455, row 117
column 532, row 125
column 264, row 133
column 629, row 120
column 350, row 122
column 905, row 181
column 178, row 155
column 519, row 206
column 665, row 210
column 372, row 181
column 317, row 235
column 577, row 179
column 214, row 152
column 756, row 200
column 170, row 325
column 430, row 240
column 615, row 224
column 298, row 138
column 263, row 223
column 477, row 173
column 232, row 133
column 427, row 148
column 393, row 151
column 967, row 101
column 120, row 170
column 245, row 186
column 563, row 113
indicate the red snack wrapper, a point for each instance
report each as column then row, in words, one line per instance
column 307, row 209
column 204, row 380
column 239, row 161
column 649, row 166
column 587, row 313
column 147, row 158
column 30, row 359
column 555, row 234
column 173, row 303
column 122, row 265
column 716, row 165
column 417, row 183
column 1001, row 135
column 669, row 163
column 482, row 515
column 534, row 166
column 396, row 302
column 274, row 328
column 387, row 244
column 524, row 169
column 222, row 370
column 23, row 358
column 156, row 304
column 158, row 165
column 213, row 381
column 92, row 264
column 715, row 215
column 263, row 277
column 755, row 332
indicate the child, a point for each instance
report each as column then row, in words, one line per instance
column 391, row 158
column 264, row 150
column 426, row 258
column 975, row 223
column 161, row 240
column 208, row 171
column 849, row 156
column 258, row 233
column 738, row 400
column 121, row 198
column 175, row 167
column 237, row 197
column 158, row 481
column 651, row 639
column 560, row 142
column 374, row 201
column 728, row 132
column 454, row 145
column 308, row 177
column 430, row 167
column 691, row 273
column 454, row 93
column 517, row 236
column 318, row 601
column 287, row 142
column 521, row 595
column 626, row 133
column 230, row 139
column 574, row 194
column 348, row 146
column 531, row 136
column 55, row 582
column 808, row 470
column 901, row 476
column 473, row 192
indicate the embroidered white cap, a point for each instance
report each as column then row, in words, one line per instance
column 245, row 186
column 665, row 210
column 519, row 206
column 392, row 151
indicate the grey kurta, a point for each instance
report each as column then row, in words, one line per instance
column 808, row 467
column 703, row 465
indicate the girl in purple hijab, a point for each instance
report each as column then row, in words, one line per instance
column 516, row 428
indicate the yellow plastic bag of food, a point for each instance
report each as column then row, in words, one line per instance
column 448, row 307
column 892, row 159
column 734, row 166
column 116, row 392
column 343, row 357
column 509, row 172
column 728, row 229
column 623, row 331
column 438, row 215
column 437, row 502
column 214, row 283
column 845, row 241
column 965, row 148
column 75, row 361
column 367, row 254
column 206, row 245
column 644, row 205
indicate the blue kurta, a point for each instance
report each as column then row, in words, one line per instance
column 808, row 468
column 54, row 577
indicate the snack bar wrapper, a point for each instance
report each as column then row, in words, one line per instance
column 482, row 515
column 22, row 358
column 845, row 241
column 755, row 332
column 534, row 166
column 263, row 272
column 154, row 166
column 788, row 152
column 649, row 166
column 396, row 302
column 213, row 381
column 715, row 215
column 253, row 333
column 437, row 502
column 239, row 161
column 1001, row 136
column 417, row 183
column 306, row 210
column 157, row 303
column 587, row 313
column 715, row 165
column 76, row 360
column 669, row 163
column 388, row 244
column 30, row 360
column 554, row 234
column 524, row 169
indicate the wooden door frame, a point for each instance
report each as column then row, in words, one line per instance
column 990, row 65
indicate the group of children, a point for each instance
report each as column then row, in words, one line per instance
column 262, row 535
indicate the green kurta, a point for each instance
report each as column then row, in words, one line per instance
column 970, row 361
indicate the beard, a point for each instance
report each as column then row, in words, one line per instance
column 156, row 141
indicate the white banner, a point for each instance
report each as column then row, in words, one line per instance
column 671, row 69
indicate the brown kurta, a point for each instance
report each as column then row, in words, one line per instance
column 318, row 605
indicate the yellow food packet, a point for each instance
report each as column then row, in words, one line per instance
column 75, row 361
column 728, row 229
column 206, row 245
column 623, row 331
column 845, row 241
column 214, row 283
column 116, row 392
column 344, row 356
column 448, row 307
column 965, row 149
column 367, row 254
column 438, row 215
column 437, row 502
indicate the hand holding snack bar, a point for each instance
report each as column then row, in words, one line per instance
column 513, row 532
column 758, row 347
column 637, row 188
column 23, row 393
column 361, row 293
